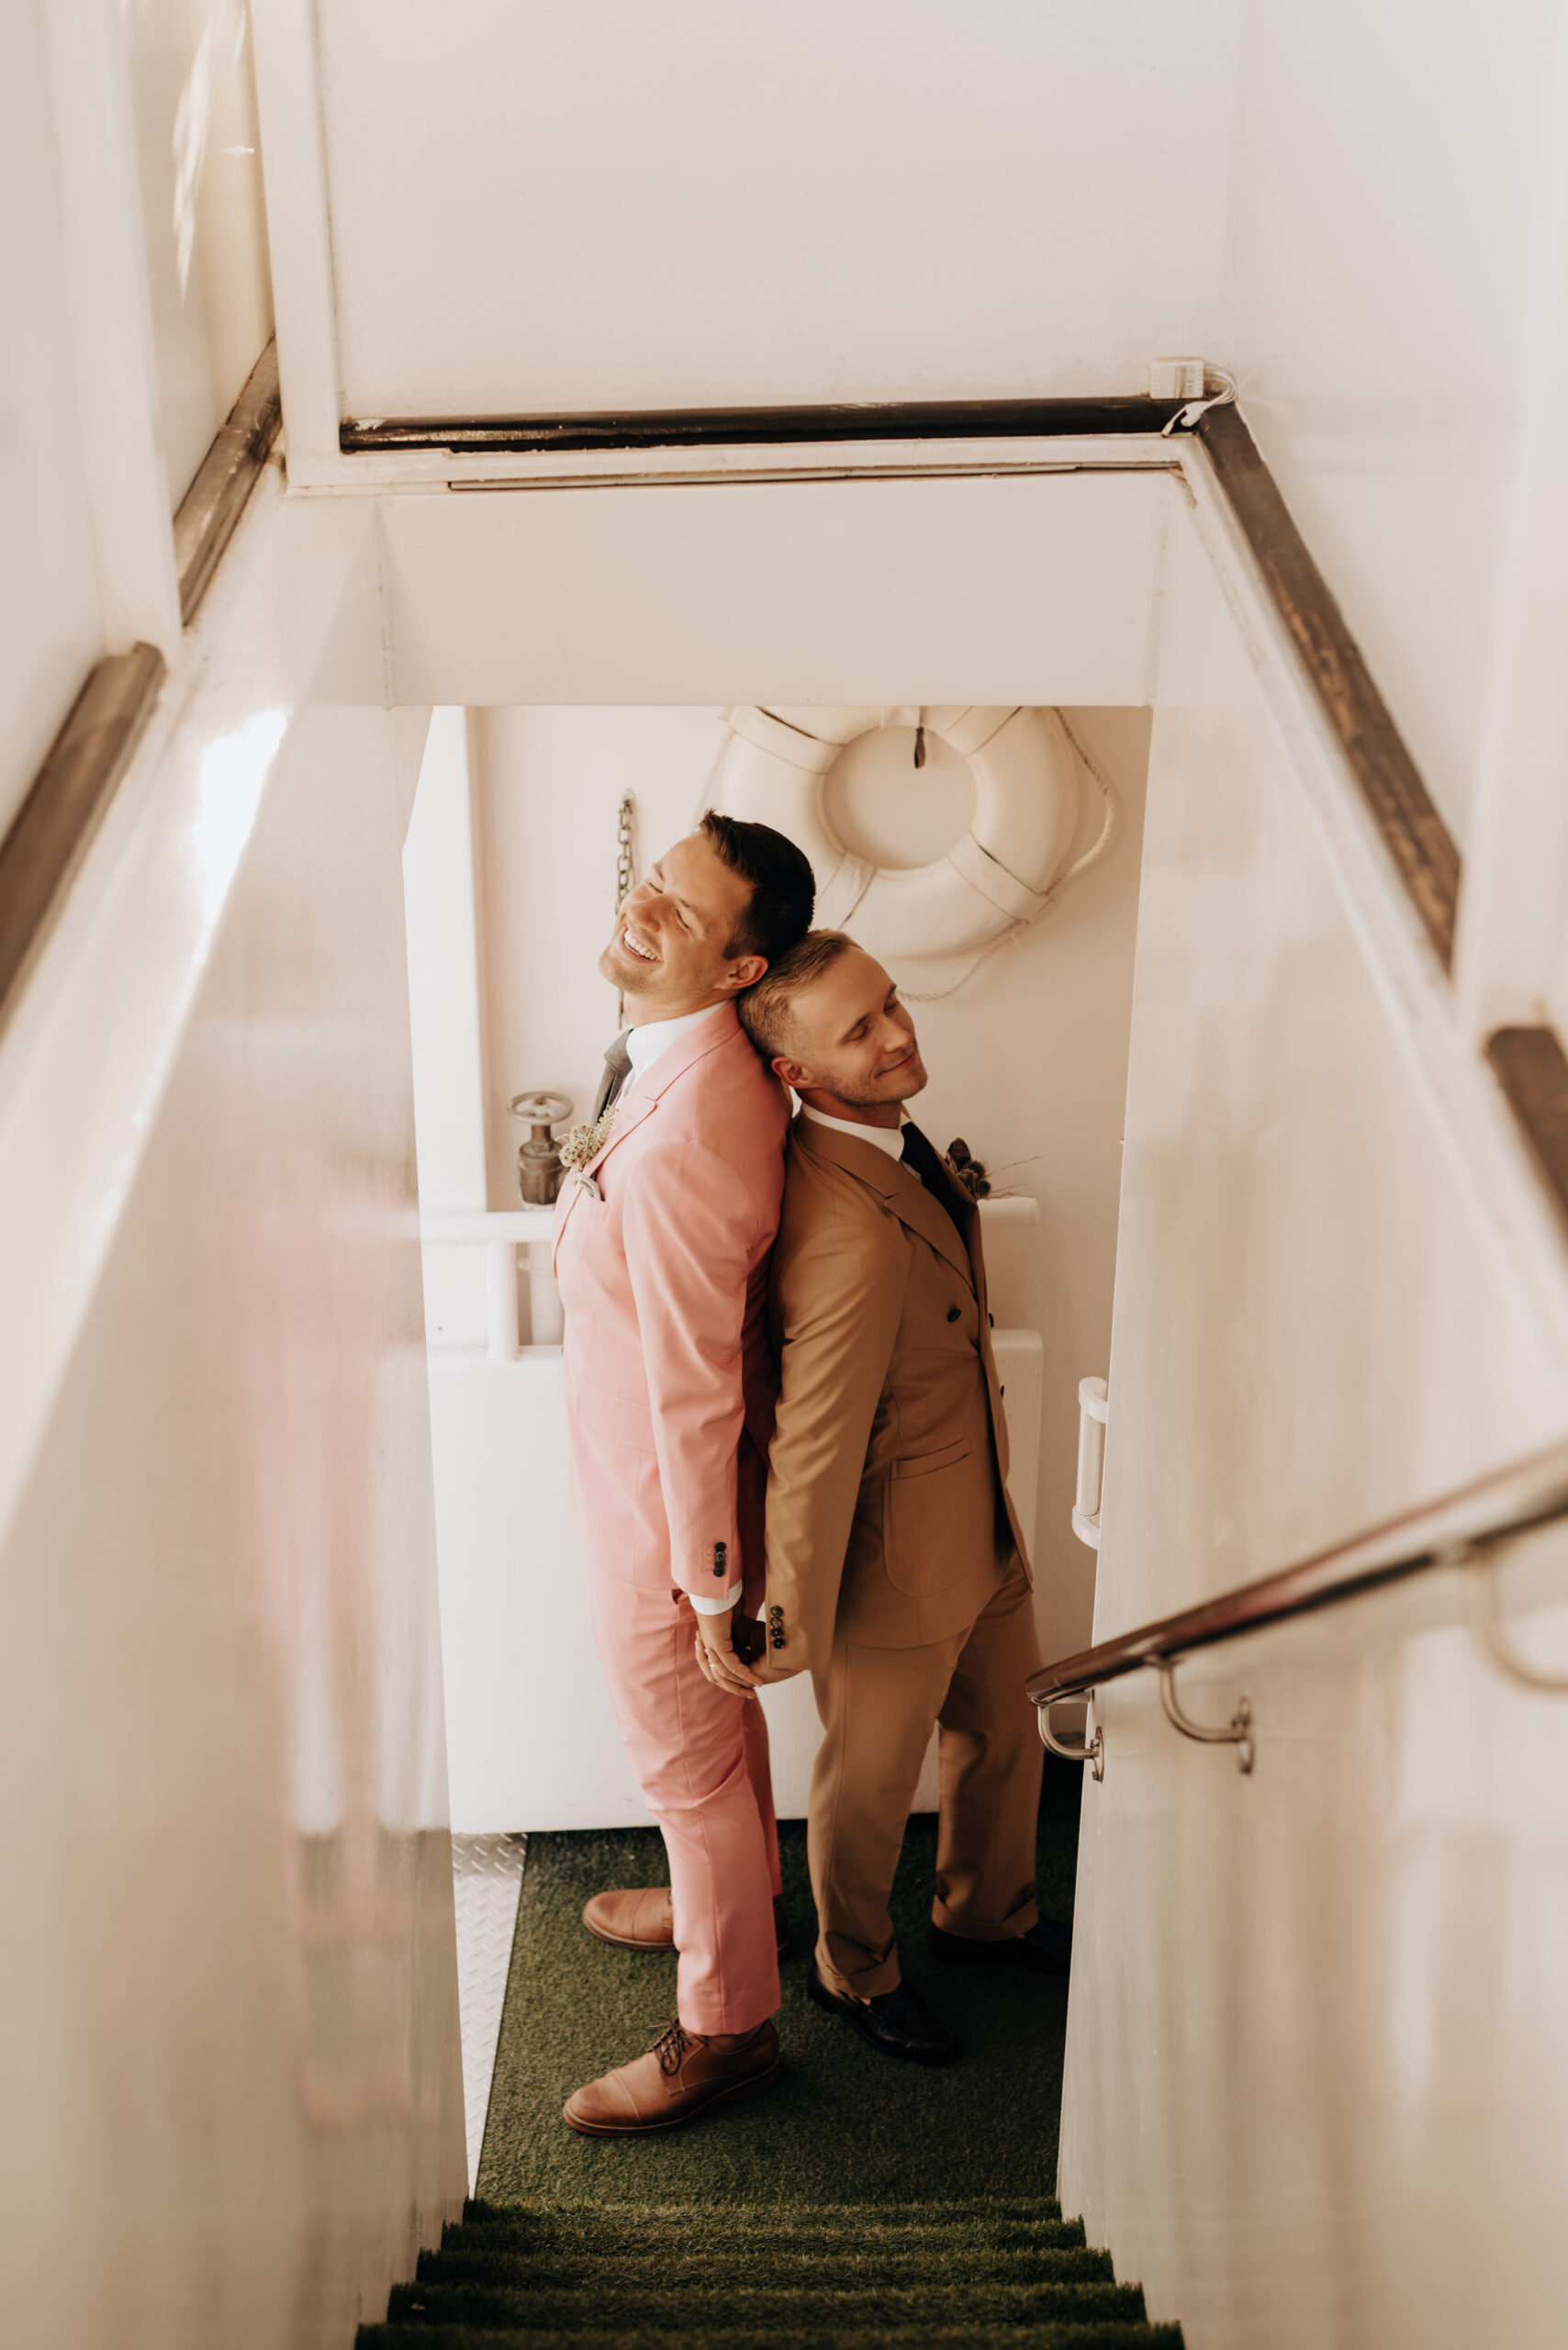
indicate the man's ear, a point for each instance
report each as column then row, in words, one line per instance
column 743, row 974
column 790, row 1074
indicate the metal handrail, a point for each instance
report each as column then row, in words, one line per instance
column 1464, row 1525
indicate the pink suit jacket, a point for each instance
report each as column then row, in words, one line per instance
column 664, row 1278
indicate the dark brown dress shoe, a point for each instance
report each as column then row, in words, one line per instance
column 1046, row 1949
column 680, row 2076
column 643, row 1918
column 897, row 2022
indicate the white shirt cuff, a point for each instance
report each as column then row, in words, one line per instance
column 715, row 1606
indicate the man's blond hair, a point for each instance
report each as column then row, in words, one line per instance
column 764, row 1010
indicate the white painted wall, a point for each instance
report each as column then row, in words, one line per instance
column 119, row 375
column 50, row 617
column 228, row 1995
column 199, row 164
column 698, row 205
column 1396, row 216
column 1314, row 2084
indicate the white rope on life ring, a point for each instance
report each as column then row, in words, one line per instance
column 994, row 881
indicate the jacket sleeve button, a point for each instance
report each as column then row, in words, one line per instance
column 952, row 1314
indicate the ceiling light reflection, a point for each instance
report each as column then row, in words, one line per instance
column 231, row 782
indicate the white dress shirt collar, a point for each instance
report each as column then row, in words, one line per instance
column 650, row 1038
column 887, row 1138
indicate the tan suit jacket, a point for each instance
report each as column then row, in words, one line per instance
column 888, row 1520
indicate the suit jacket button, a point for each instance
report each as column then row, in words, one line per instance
column 952, row 1314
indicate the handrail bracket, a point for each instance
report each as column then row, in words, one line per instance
column 1480, row 1556
column 1237, row 1731
column 1092, row 1752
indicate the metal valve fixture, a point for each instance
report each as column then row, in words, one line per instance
column 539, row 1158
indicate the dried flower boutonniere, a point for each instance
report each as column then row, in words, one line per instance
column 582, row 1144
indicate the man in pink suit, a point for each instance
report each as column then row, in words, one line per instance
column 661, row 1244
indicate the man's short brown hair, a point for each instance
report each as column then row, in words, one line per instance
column 765, row 1008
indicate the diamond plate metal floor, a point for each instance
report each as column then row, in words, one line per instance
column 487, row 1878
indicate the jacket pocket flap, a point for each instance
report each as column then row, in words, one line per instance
column 921, row 1464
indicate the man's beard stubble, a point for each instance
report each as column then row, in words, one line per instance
column 863, row 1098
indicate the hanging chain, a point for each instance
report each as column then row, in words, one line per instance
column 623, row 874
column 623, row 851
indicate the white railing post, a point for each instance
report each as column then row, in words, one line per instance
column 500, row 1232
column 500, row 1291
column 547, row 1323
column 1093, row 1408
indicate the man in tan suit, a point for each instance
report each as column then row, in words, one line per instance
column 898, row 1574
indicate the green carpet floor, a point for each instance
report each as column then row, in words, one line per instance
column 861, row 2200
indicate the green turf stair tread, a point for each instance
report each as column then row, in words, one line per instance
column 841, row 2122
column 764, row 2262
column 782, row 2231
column 782, row 2236
column 771, row 2256
column 727, row 2300
column 605, row 2209
column 739, row 2234
column 811, row 2336
column 661, row 2222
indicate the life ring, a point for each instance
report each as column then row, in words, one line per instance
column 997, row 878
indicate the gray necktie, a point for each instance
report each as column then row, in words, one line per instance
column 617, row 1069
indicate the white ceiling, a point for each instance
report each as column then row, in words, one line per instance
column 540, row 208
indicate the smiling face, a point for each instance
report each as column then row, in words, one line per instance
column 669, row 954
column 853, row 1047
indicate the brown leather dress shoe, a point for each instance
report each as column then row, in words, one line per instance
column 634, row 1918
column 643, row 1918
column 680, row 2076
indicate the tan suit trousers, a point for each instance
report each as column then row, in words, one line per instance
column 878, row 1708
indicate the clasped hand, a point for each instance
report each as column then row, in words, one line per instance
column 720, row 1665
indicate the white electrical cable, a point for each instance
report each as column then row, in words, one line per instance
column 1194, row 408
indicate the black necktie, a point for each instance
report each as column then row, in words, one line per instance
column 617, row 1069
column 921, row 1159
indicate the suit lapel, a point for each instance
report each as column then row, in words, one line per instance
column 628, row 1116
column 902, row 1189
column 913, row 1206
column 641, row 1099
